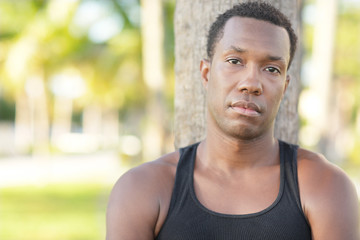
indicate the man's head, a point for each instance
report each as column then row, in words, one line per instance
column 257, row 10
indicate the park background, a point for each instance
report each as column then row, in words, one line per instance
column 77, row 105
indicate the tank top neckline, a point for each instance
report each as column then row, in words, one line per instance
column 248, row 215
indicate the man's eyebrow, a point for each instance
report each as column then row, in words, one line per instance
column 275, row 58
column 269, row 57
column 237, row 49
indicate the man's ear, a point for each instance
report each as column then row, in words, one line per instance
column 205, row 72
column 287, row 81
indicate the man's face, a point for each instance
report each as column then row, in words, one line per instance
column 247, row 78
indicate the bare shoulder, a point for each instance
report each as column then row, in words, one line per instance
column 315, row 170
column 328, row 196
column 147, row 174
column 140, row 199
column 148, row 178
column 314, row 165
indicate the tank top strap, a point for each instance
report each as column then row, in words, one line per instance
column 183, row 176
column 289, row 154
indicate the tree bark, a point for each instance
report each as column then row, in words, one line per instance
column 192, row 21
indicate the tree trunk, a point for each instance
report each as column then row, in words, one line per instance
column 23, row 136
column 325, row 123
column 154, row 78
column 31, row 120
column 192, row 21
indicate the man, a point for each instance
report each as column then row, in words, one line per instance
column 239, row 182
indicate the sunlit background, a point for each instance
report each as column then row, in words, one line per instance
column 79, row 103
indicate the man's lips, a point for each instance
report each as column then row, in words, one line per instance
column 249, row 109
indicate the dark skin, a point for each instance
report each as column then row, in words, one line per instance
column 245, row 83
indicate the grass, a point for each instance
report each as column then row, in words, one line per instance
column 53, row 212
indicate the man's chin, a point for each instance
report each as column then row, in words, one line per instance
column 244, row 133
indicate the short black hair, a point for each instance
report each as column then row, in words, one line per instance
column 258, row 10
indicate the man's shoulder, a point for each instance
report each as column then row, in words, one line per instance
column 151, row 174
column 315, row 170
column 326, row 191
column 315, row 165
column 141, row 197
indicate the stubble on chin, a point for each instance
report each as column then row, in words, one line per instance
column 244, row 133
column 236, row 130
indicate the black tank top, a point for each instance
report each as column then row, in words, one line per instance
column 188, row 219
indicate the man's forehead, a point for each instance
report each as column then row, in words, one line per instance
column 237, row 22
column 244, row 32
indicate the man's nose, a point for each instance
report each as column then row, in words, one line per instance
column 250, row 81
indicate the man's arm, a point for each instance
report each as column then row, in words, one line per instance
column 329, row 199
column 140, row 200
column 133, row 207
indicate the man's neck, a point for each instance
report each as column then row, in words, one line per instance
column 229, row 154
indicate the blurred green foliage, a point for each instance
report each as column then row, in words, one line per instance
column 347, row 58
column 7, row 112
column 345, row 87
column 55, row 41
column 98, row 42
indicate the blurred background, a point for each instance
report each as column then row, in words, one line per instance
column 79, row 104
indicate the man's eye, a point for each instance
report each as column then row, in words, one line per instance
column 234, row 61
column 272, row 70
